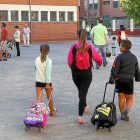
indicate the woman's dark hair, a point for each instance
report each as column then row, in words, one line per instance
column 122, row 28
column 17, row 27
column 44, row 48
column 4, row 24
column 82, row 37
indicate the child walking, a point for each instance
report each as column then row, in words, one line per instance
column 124, row 69
column 114, row 42
column 43, row 66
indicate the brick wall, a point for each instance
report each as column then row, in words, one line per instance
column 51, row 31
column 103, row 9
column 41, row 2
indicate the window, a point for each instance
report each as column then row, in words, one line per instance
column 115, row 4
column 44, row 16
column 52, row 16
column 107, row 16
column 3, row 15
column 90, row 4
column 14, row 15
column 61, row 16
column 34, row 15
column 95, row 5
column 24, row 16
column 106, row 2
column 70, row 16
column 85, row 3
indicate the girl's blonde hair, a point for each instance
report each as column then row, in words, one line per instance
column 82, row 36
column 44, row 48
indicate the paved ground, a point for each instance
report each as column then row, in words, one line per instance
column 17, row 92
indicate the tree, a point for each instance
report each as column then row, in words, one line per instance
column 132, row 8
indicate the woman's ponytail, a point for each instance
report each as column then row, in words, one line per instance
column 44, row 48
column 82, row 36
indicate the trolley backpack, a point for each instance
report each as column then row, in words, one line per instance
column 82, row 60
column 37, row 115
column 123, row 36
column 105, row 113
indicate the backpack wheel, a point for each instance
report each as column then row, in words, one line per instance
column 97, row 127
column 110, row 128
column 40, row 129
column 26, row 128
column 9, row 55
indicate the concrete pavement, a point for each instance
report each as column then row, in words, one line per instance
column 17, row 92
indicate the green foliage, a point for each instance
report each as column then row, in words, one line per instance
column 132, row 8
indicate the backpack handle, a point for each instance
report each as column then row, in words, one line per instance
column 113, row 94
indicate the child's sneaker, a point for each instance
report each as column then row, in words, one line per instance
column 81, row 120
column 54, row 112
column 86, row 108
column 126, row 116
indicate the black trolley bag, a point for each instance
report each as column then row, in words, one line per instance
column 104, row 115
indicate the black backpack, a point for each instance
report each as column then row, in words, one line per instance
column 105, row 113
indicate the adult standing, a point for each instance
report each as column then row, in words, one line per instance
column 17, row 39
column 3, row 40
column 82, row 77
column 99, row 37
column 26, row 35
column 122, row 34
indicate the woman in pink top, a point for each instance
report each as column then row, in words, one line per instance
column 82, row 77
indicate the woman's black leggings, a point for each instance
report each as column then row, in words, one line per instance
column 82, row 82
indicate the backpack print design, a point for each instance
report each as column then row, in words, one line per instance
column 123, row 36
column 82, row 60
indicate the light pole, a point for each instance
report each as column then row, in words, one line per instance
column 31, row 20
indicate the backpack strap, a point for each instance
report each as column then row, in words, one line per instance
column 87, row 47
column 76, row 47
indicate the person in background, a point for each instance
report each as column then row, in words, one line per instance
column 113, row 46
column 17, row 40
column 122, row 34
column 82, row 76
column 3, row 42
column 88, row 32
column 26, row 36
column 99, row 37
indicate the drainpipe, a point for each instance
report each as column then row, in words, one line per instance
column 30, row 21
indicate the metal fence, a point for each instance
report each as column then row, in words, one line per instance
column 108, row 23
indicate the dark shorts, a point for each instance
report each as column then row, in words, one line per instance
column 125, row 85
column 39, row 84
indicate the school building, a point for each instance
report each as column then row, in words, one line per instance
column 101, row 8
column 49, row 20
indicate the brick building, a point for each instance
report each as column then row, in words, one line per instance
column 103, row 8
column 51, row 20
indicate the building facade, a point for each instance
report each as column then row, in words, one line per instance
column 101, row 8
column 49, row 20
